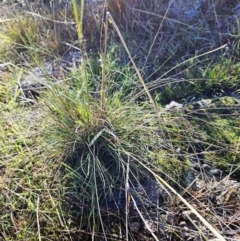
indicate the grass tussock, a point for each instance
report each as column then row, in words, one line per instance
column 26, row 34
column 95, row 157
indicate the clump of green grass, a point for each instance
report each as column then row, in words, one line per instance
column 18, row 35
column 95, row 147
column 66, row 169
column 25, row 34
column 217, row 79
column 63, row 163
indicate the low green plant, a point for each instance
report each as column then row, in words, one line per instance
column 218, row 79
column 94, row 147
column 68, row 169
column 26, row 200
column 26, row 33
column 19, row 35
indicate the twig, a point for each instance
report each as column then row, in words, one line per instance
column 133, row 63
column 127, row 196
column 202, row 219
column 144, row 221
column 103, row 64
column 38, row 224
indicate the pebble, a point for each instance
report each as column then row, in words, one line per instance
column 206, row 167
column 216, row 173
column 196, row 167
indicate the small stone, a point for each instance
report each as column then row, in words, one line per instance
column 216, row 173
column 196, row 167
column 197, row 141
column 206, row 167
column 212, row 197
column 178, row 150
column 173, row 104
column 182, row 224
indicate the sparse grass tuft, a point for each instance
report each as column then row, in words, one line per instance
column 20, row 35
column 217, row 79
column 26, row 34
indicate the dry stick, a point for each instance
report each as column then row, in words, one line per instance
column 204, row 221
column 129, row 55
column 38, row 224
column 6, row 20
column 48, row 19
column 104, row 62
column 127, row 196
column 144, row 221
column 109, row 16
